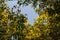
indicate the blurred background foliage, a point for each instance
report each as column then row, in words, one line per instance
column 45, row 27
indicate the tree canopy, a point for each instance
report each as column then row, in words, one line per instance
column 45, row 27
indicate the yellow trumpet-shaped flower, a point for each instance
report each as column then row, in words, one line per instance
column 5, row 14
column 28, row 37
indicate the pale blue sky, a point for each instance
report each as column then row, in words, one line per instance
column 31, row 14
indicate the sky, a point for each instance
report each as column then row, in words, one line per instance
column 31, row 14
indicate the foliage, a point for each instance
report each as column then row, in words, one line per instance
column 45, row 27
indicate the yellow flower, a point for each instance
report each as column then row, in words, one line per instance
column 5, row 14
column 2, row 20
column 28, row 37
column 8, row 31
column 37, row 9
column 14, row 29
